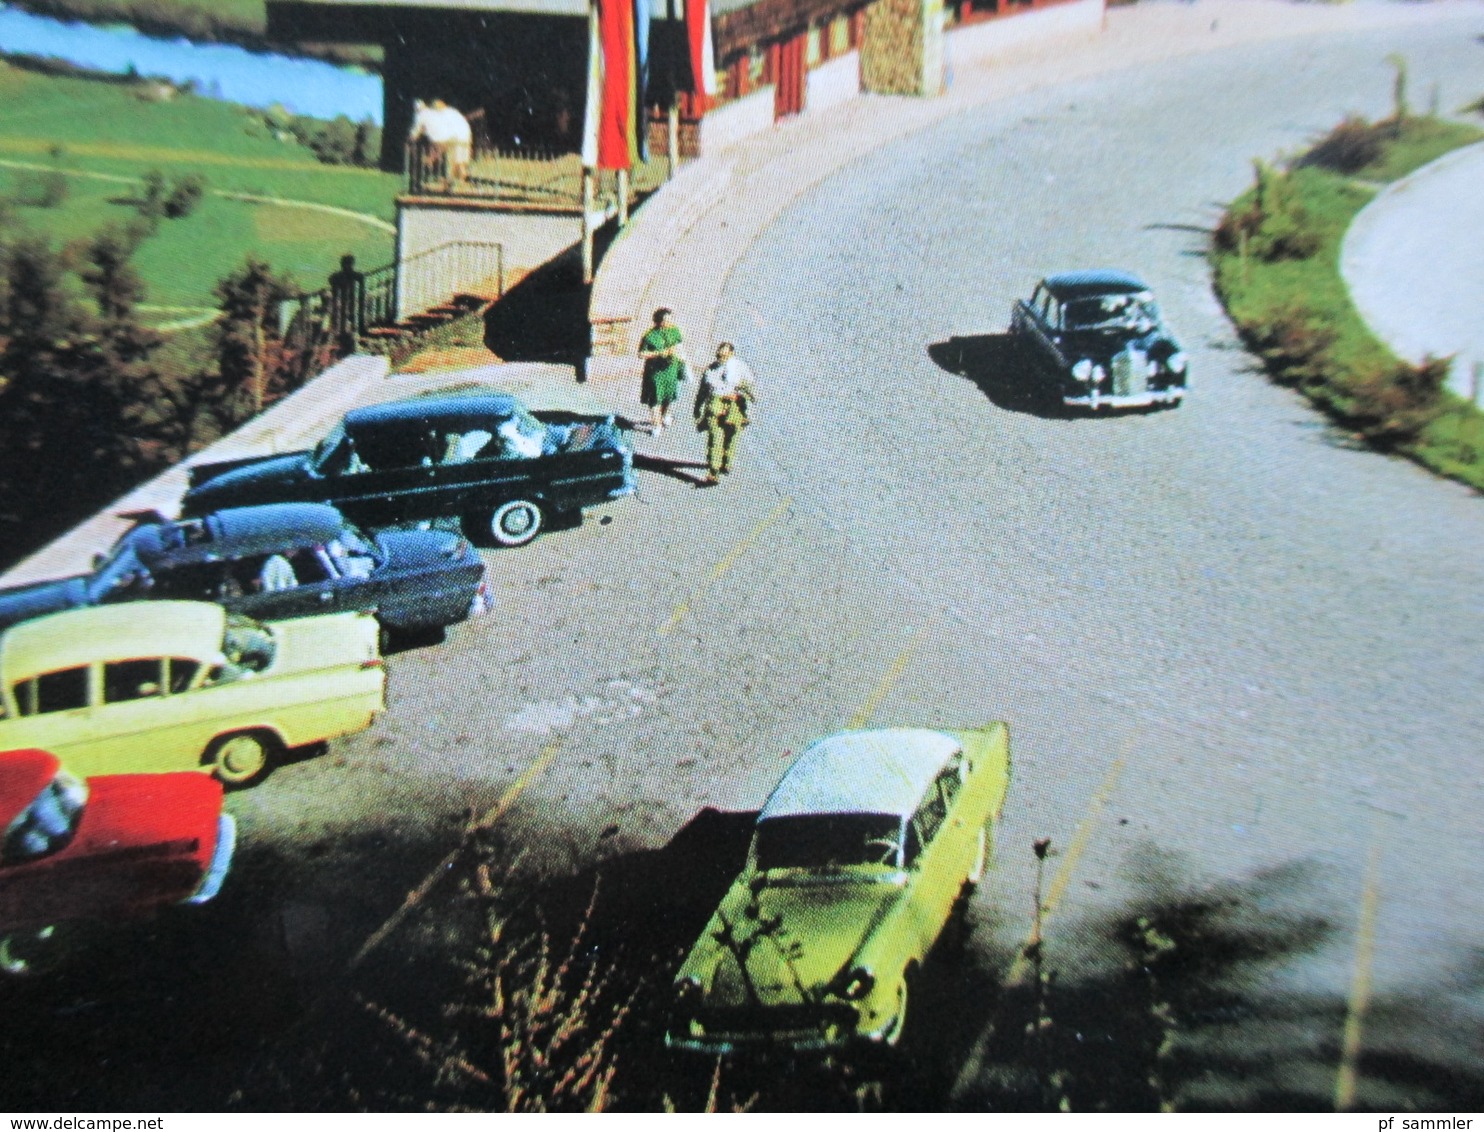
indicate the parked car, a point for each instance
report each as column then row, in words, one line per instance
column 480, row 457
column 157, row 686
column 112, row 847
column 1098, row 338
column 275, row 562
column 857, row 860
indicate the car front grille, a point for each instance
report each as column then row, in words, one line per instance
column 1130, row 372
column 785, row 1022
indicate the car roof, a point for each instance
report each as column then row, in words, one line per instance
column 862, row 772
column 111, row 632
column 1105, row 281
column 22, row 775
column 240, row 531
column 449, row 412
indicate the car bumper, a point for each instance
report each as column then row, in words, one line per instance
column 221, row 862
column 1095, row 400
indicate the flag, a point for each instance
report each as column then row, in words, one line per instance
column 702, row 53
column 593, row 104
column 617, row 148
column 641, row 77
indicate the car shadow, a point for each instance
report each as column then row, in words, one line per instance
column 995, row 364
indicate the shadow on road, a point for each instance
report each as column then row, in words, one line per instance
column 682, row 470
column 995, row 365
column 1182, row 997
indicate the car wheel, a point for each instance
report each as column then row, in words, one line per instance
column 515, row 523
column 29, row 952
column 241, row 759
column 981, row 858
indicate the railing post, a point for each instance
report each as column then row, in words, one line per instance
column 673, row 139
column 587, row 225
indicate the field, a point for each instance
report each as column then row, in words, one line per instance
column 104, row 139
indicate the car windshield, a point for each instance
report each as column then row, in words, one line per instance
column 331, row 453
column 1111, row 311
column 48, row 823
column 829, row 841
column 120, row 577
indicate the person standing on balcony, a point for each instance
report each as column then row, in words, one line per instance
column 664, row 368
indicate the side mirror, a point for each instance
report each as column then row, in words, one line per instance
column 98, row 560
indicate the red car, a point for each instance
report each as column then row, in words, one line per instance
column 115, row 846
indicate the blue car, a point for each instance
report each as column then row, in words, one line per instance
column 273, row 563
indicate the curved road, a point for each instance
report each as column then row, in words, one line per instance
column 1240, row 657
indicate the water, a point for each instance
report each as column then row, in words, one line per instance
column 305, row 86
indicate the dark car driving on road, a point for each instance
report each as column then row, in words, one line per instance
column 275, row 562
column 483, row 458
column 1098, row 337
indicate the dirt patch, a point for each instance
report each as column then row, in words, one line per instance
column 441, row 358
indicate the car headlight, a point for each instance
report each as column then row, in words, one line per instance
column 857, row 984
column 1177, row 362
column 1083, row 369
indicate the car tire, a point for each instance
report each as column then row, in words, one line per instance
column 515, row 523
column 30, row 951
column 242, row 758
column 981, row 859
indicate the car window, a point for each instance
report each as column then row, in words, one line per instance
column 64, row 690
column 1047, row 308
column 925, row 823
column 828, row 841
column 1113, row 311
column 47, row 824
column 460, row 448
column 182, row 671
column 125, row 680
column 351, row 556
column 198, row 581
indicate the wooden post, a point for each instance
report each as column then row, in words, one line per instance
column 623, row 197
column 587, row 225
column 673, row 141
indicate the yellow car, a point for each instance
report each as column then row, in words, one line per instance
column 858, row 858
column 150, row 687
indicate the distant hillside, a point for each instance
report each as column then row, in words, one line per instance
column 243, row 22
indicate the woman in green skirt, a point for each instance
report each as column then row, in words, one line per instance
column 664, row 368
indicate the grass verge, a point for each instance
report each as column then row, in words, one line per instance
column 1276, row 259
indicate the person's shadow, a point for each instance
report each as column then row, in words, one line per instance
column 675, row 469
column 996, row 364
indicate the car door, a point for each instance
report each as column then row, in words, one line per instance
column 935, row 873
column 391, row 479
column 297, row 584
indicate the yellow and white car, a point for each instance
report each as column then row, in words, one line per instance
column 150, row 687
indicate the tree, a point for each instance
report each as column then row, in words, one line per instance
column 246, row 350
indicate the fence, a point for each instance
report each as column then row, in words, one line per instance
column 430, row 278
column 528, row 176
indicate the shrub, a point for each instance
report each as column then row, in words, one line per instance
column 1295, row 343
column 1353, row 145
column 184, row 196
column 1270, row 222
column 1392, row 405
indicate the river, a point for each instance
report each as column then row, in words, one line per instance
column 305, row 86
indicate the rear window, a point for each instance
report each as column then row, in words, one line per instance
column 829, row 841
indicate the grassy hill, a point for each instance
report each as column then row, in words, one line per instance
column 104, row 138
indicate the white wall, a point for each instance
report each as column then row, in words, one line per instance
column 978, row 42
column 834, row 82
column 737, row 120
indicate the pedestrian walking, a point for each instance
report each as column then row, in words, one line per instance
column 664, row 368
column 723, row 399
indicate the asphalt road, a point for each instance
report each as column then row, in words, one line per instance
column 1240, row 658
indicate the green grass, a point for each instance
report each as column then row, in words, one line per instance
column 1258, row 293
column 104, row 129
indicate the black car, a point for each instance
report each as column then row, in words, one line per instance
column 273, row 563
column 482, row 457
column 1099, row 338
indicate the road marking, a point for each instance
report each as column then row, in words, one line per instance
column 1049, row 903
column 496, row 812
column 887, row 682
column 1360, row 986
column 720, row 569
